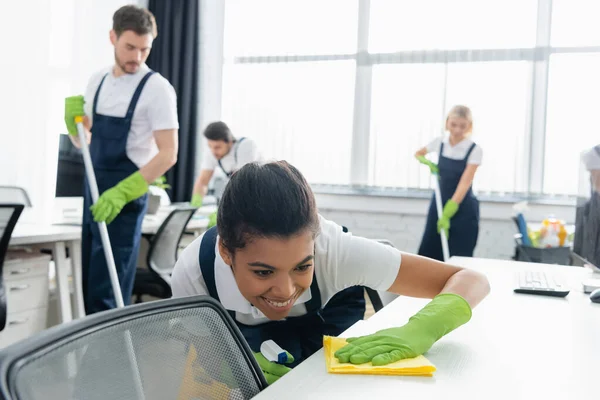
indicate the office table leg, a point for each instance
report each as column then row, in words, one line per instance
column 62, row 282
column 75, row 251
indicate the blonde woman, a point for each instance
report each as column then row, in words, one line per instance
column 459, row 158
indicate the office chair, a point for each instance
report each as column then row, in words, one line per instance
column 14, row 195
column 184, row 348
column 9, row 215
column 162, row 255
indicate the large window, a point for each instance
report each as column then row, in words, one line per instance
column 397, row 25
column 572, row 123
column 301, row 112
column 337, row 87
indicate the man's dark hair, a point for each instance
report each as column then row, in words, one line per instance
column 266, row 201
column 134, row 18
column 219, row 131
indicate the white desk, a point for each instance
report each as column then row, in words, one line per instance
column 516, row 346
column 151, row 223
column 57, row 238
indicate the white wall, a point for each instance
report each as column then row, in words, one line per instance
column 50, row 49
column 402, row 221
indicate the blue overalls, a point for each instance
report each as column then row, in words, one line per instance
column 108, row 149
column 302, row 335
column 464, row 226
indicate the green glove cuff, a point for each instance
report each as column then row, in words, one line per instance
column 424, row 160
column 212, row 221
column 442, row 315
column 133, row 187
column 196, row 200
column 432, row 166
column 450, row 208
column 273, row 368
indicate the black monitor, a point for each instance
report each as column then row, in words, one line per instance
column 71, row 171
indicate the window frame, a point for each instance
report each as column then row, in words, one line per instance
column 531, row 184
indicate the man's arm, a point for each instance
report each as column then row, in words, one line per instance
column 201, row 184
column 166, row 141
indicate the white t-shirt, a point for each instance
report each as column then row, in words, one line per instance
column 341, row 260
column 591, row 159
column 247, row 152
column 457, row 152
column 156, row 108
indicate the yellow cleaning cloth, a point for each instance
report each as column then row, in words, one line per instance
column 419, row 366
column 197, row 383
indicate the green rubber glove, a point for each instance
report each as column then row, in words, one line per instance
column 272, row 370
column 432, row 166
column 212, row 220
column 112, row 201
column 73, row 108
column 196, row 200
column 443, row 314
column 448, row 212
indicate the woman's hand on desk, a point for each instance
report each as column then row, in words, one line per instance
column 442, row 315
column 272, row 370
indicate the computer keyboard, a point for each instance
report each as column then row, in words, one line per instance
column 541, row 283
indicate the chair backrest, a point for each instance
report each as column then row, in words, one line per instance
column 14, row 195
column 162, row 254
column 183, row 348
column 9, row 215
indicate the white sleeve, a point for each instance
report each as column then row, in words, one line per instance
column 247, row 153
column 591, row 159
column 209, row 161
column 186, row 279
column 354, row 260
column 476, row 156
column 434, row 145
column 162, row 112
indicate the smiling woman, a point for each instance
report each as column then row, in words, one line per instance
column 280, row 268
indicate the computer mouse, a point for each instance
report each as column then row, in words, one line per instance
column 595, row 296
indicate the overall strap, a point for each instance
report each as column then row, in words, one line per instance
column 207, row 261
column 98, row 93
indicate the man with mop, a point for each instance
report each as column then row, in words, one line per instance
column 131, row 123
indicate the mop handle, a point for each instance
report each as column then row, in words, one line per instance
column 91, row 177
column 438, row 205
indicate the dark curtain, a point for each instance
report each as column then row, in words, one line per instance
column 175, row 55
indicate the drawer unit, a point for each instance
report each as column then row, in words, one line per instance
column 26, row 286
column 23, row 324
column 25, row 294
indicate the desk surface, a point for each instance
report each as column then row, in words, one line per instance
column 516, row 346
column 28, row 233
column 198, row 222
